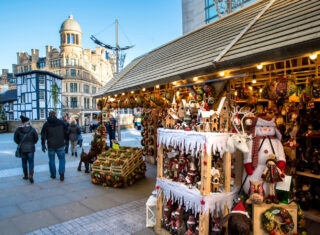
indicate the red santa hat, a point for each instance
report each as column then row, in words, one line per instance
column 239, row 209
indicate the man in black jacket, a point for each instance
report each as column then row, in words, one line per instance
column 65, row 121
column 54, row 131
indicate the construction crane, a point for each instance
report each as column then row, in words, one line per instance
column 117, row 50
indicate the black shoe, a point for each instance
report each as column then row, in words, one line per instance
column 72, row 154
column 61, row 177
column 52, row 177
column 76, row 154
column 25, row 177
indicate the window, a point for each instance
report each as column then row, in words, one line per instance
column 73, row 62
column 72, row 39
column 69, row 38
column 41, row 79
column 23, row 98
column 25, row 68
column 42, row 114
column 93, row 67
column 73, row 72
column 67, row 72
column 66, row 87
column 67, row 61
column 10, row 116
column 73, row 87
column 24, row 79
column 94, row 90
column 41, row 94
column 74, row 102
column 78, row 72
column 30, row 67
column 41, row 65
column 86, row 89
column 10, row 106
column 94, row 104
column 66, row 104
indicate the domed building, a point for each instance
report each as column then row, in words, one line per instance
column 85, row 71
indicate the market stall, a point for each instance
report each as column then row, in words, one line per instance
column 244, row 98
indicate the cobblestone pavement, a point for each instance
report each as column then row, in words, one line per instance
column 125, row 219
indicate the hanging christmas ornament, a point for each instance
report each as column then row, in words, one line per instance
column 200, row 91
column 248, row 122
column 236, row 121
column 207, row 88
column 192, row 91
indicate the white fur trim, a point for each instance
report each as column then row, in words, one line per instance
column 241, row 212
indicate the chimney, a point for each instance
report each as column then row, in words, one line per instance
column 48, row 50
column 5, row 71
column 35, row 55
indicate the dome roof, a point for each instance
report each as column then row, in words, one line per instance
column 70, row 24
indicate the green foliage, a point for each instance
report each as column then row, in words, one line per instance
column 55, row 95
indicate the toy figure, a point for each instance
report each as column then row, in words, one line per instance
column 272, row 174
column 171, row 226
column 266, row 140
column 180, row 226
column 215, row 226
column 316, row 162
column 191, row 225
column 256, row 193
column 166, row 218
column 174, row 165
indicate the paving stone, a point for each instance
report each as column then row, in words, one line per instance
column 9, row 211
column 70, row 211
column 32, row 221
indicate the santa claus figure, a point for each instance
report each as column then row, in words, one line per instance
column 266, row 140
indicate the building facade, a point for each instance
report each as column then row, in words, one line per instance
column 38, row 93
column 84, row 71
column 196, row 13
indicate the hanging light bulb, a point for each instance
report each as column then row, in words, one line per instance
column 132, row 92
column 250, row 87
column 254, row 81
column 115, row 95
column 259, row 66
column 157, row 86
column 174, row 83
column 221, row 73
column 123, row 93
column 178, row 93
column 143, row 89
column 195, row 79
column 235, row 93
column 313, row 56
column 260, row 90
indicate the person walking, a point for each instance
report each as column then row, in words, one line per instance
column 111, row 128
column 65, row 121
column 54, row 132
column 74, row 132
column 26, row 137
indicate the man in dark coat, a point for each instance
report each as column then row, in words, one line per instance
column 27, row 137
column 65, row 121
column 54, row 132
column 111, row 128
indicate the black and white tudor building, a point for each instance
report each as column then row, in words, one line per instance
column 35, row 96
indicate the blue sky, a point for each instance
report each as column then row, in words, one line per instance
column 27, row 24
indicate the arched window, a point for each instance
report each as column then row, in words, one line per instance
column 77, row 39
column 69, row 38
column 72, row 39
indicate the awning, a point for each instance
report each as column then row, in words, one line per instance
column 264, row 30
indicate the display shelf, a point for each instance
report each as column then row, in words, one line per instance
column 307, row 173
column 312, row 214
column 246, row 101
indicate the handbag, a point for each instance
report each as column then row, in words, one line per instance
column 18, row 155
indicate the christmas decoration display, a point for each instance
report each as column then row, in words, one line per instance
column 117, row 168
column 256, row 192
column 277, row 220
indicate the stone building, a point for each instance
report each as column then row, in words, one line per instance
column 84, row 70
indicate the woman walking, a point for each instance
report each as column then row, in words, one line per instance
column 74, row 132
column 26, row 137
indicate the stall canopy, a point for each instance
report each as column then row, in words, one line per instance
column 262, row 31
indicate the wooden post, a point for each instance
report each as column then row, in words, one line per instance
column 205, row 190
column 238, row 168
column 227, row 176
column 160, row 196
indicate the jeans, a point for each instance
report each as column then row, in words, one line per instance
column 74, row 146
column 52, row 163
column 112, row 136
column 27, row 158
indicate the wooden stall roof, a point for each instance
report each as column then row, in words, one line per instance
column 264, row 30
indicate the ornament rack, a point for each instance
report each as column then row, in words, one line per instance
column 204, row 201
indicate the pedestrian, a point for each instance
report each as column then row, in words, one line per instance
column 80, row 140
column 65, row 120
column 26, row 137
column 54, row 132
column 111, row 128
column 74, row 132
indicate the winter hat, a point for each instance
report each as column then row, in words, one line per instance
column 191, row 220
column 239, row 209
column 24, row 119
column 272, row 157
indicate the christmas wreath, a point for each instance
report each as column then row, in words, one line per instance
column 277, row 220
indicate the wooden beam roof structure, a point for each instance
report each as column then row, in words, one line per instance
column 265, row 30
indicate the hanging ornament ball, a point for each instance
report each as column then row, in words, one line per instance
column 248, row 121
column 211, row 100
column 236, row 121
